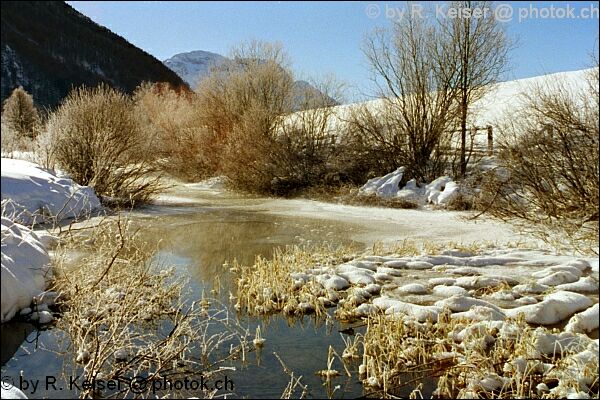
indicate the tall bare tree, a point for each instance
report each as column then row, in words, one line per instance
column 415, row 71
column 481, row 51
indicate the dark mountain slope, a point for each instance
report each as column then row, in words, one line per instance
column 49, row 47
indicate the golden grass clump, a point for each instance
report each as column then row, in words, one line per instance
column 125, row 319
column 268, row 286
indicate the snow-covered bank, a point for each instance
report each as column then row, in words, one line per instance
column 32, row 194
column 452, row 304
column 440, row 191
column 25, row 268
column 490, row 285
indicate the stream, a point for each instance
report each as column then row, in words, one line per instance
column 198, row 238
column 197, row 230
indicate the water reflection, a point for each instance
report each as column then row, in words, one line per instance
column 199, row 239
column 13, row 334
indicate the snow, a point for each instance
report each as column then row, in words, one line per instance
column 555, row 307
column 32, row 194
column 389, row 271
column 25, row 268
column 548, row 343
column 584, row 285
column 558, row 278
column 448, row 291
column 336, row 283
column 557, row 268
column 419, row 265
column 412, row 288
column 480, row 313
column 458, row 303
column 531, row 288
column 194, row 65
column 585, row 321
column 440, row 191
column 11, row 392
column 395, row 307
column 385, row 186
column 449, row 193
column 217, row 183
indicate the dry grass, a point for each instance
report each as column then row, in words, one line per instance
column 283, row 294
column 124, row 316
column 398, row 354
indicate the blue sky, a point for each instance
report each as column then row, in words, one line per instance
column 326, row 37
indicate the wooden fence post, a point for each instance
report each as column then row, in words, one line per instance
column 490, row 140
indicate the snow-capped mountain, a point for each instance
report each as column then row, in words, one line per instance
column 194, row 65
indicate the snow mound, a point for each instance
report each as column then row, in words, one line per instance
column 215, row 183
column 25, row 268
column 556, row 307
column 585, row 321
column 441, row 191
column 420, row 313
column 384, row 186
column 32, row 194
column 11, row 392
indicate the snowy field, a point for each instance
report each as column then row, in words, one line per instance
column 502, row 100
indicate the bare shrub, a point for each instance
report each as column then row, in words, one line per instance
column 256, row 139
column 175, row 130
column 548, row 163
column 97, row 140
column 12, row 142
column 310, row 148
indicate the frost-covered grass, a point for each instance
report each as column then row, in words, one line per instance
column 490, row 359
column 479, row 318
column 124, row 315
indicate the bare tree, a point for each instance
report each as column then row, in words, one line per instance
column 481, row 49
column 415, row 72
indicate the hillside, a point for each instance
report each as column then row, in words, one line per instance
column 49, row 47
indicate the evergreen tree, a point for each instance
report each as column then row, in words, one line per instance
column 19, row 113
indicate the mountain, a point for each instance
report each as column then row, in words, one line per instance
column 48, row 47
column 195, row 65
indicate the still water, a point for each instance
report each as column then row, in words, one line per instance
column 198, row 238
